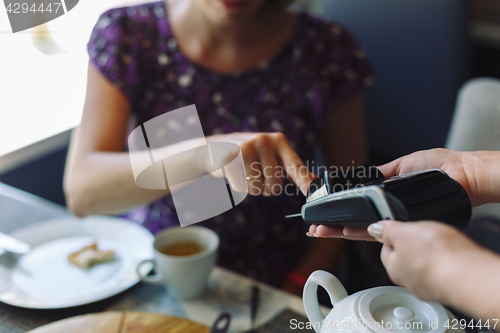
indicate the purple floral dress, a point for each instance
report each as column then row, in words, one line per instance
column 319, row 68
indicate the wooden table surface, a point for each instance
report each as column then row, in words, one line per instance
column 123, row 321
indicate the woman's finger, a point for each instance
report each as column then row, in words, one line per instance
column 324, row 231
column 391, row 169
column 312, row 230
column 357, row 232
column 252, row 170
column 269, row 165
column 359, row 238
column 291, row 162
column 385, row 255
column 385, row 232
column 360, row 234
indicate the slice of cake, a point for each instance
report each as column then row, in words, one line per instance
column 90, row 256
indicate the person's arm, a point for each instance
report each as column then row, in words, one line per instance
column 344, row 142
column 478, row 289
column 99, row 177
column 438, row 263
column 487, row 173
column 478, row 172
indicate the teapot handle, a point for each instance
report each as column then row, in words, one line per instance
column 334, row 288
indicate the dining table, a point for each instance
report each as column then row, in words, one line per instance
column 226, row 290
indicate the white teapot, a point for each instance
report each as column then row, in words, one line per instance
column 380, row 310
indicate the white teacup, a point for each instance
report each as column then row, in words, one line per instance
column 185, row 276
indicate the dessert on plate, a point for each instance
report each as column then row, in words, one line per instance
column 90, row 256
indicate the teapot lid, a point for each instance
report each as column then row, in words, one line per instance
column 395, row 309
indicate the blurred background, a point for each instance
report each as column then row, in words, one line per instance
column 422, row 52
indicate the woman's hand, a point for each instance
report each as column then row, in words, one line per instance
column 473, row 170
column 422, row 256
column 268, row 158
column 477, row 171
column 438, row 263
column 460, row 166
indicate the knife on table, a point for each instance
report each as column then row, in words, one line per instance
column 221, row 325
column 10, row 244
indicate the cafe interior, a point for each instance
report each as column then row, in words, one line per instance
column 129, row 135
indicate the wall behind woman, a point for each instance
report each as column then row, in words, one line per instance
column 419, row 52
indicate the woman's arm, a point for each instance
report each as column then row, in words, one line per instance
column 487, row 174
column 98, row 177
column 344, row 142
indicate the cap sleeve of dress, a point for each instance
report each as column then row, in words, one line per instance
column 113, row 49
column 342, row 68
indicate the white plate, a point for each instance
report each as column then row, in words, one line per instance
column 44, row 279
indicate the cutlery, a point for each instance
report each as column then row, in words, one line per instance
column 221, row 325
column 13, row 245
column 254, row 306
column 7, row 259
column 11, row 249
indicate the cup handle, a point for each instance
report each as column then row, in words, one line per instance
column 334, row 288
column 153, row 279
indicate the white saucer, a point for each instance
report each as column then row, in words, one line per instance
column 44, row 278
